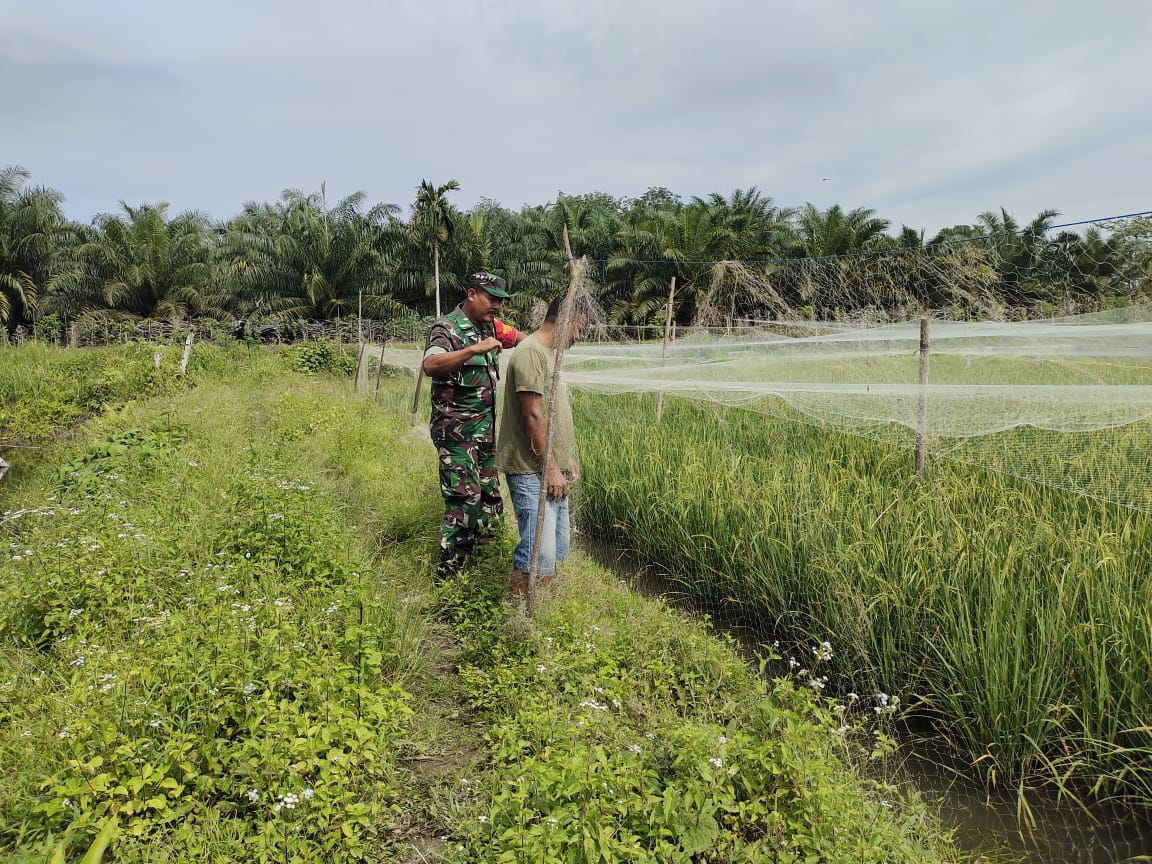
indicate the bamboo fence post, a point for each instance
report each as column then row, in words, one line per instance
column 187, row 351
column 664, row 351
column 922, row 406
column 562, row 335
column 359, row 339
column 379, row 372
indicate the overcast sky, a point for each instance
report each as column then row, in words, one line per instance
column 928, row 111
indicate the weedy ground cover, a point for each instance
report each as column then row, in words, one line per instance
column 197, row 645
column 218, row 636
column 1017, row 618
column 621, row 731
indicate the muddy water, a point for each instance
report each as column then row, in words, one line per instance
column 983, row 823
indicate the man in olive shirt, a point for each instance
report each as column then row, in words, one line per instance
column 521, row 443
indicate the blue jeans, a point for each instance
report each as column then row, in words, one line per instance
column 525, row 492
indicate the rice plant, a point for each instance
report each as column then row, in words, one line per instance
column 1016, row 618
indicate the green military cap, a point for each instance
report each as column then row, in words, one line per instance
column 489, row 282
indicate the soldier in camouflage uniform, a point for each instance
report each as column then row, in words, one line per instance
column 461, row 357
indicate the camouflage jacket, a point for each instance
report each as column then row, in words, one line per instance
column 464, row 401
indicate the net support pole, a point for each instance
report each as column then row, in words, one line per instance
column 664, row 350
column 187, row 350
column 359, row 340
column 561, row 343
column 922, row 406
column 379, row 372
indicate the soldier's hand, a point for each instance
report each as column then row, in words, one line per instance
column 488, row 345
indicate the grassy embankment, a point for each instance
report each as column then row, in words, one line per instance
column 1016, row 617
column 217, row 635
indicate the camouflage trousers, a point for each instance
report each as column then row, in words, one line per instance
column 470, row 486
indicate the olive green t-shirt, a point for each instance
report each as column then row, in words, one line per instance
column 530, row 371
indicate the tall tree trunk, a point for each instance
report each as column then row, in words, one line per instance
column 436, row 271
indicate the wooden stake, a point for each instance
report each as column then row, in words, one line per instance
column 922, row 407
column 359, row 338
column 187, row 351
column 379, row 371
column 664, row 351
column 419, row 381
column 563, row 331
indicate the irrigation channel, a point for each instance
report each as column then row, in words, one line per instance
column 984, row 823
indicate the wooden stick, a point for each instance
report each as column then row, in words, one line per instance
column 187, row 351
column 922, row 407
column 664, row 351
column 562, row 335
column 379, row 372
column 419, row 381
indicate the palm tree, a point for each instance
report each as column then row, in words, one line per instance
column 32, row 229
column 831, row 277
column 433, row 223
column 302, row 260
column 139, row 264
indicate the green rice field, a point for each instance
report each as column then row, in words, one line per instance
column 1013, row 619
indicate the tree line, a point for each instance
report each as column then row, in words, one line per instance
column 740, row 255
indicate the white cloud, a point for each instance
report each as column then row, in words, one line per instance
column 928, row 112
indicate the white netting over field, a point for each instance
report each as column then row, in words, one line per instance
column 1065, row 402
column 1068, row 375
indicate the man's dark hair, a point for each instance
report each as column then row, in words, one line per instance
column 580, row 306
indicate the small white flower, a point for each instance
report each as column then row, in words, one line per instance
column 723, row 739
column 540, row 667
column 253, row 795
column 307, row 794
column 716, row 762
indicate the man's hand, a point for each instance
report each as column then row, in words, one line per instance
column 557, row 484
column 488, row 345
column 573, row 472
